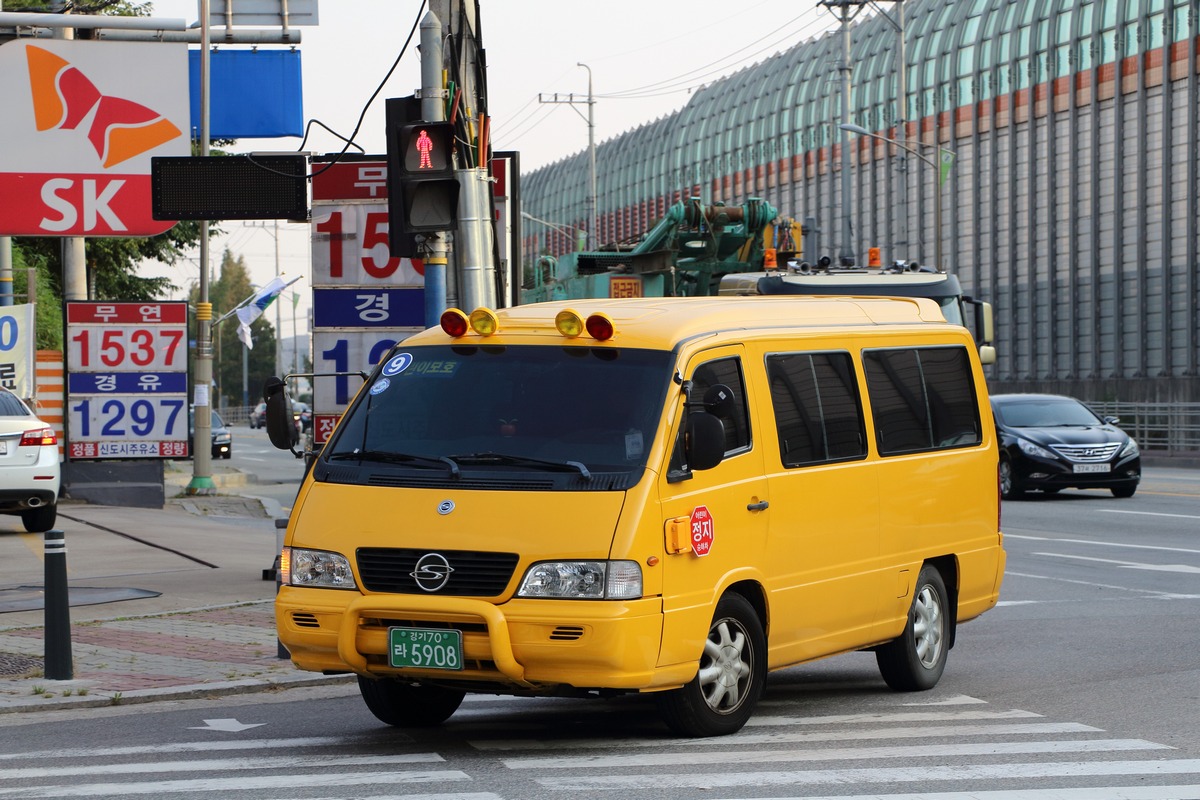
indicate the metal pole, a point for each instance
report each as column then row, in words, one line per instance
column 902, row 130
column 6, row 267
column 937, row 210
column 57, row 606
column 433, row 109
column 202, row 482
column 278, row 324
column 593, row 211
column 847, row 250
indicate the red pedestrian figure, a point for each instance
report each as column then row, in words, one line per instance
column 424, row 147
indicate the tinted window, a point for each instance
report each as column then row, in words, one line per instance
column 922, row 399
column 727, row 371
column 10, row 406
column 817, row 412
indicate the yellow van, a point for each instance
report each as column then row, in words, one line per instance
column 670, row 496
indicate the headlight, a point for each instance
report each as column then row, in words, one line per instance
column 1031, row 449
column 1130, row 448
column 300, row 567
column 223, row 438
column 583, row 580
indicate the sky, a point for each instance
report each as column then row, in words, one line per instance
column 645, row 58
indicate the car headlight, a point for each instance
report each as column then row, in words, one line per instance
column 223, row 438
column 583, row 580
column 315, row 568
column 1130, row 448
column 1031, row 449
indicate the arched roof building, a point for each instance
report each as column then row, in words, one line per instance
column 1071, row 205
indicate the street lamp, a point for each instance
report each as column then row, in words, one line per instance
column 942, row 154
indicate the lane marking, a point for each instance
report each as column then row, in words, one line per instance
column 1094, row 543
column 1178, row 568
column 1148, row 513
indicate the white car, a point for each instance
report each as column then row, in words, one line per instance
column 29, row 465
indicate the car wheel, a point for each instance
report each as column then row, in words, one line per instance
column 1123, row 491
column 407, row 706
column 914, row 661
column 40, row 519
column 733, row 670
column 1008, row 481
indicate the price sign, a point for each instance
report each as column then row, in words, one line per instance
column 127, row 380
column 350, row 248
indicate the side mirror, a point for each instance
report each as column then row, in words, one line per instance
column 718, row 401
column 281, row 425
column 704, row 445
column 1111, row 420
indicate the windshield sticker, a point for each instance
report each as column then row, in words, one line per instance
column 397, row 364
column 633, row 444
column 380, row 386
column 435, row 368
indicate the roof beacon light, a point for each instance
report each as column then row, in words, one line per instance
column 455, row 323
column 484, row 321
column 568, row 323
column 600, row 327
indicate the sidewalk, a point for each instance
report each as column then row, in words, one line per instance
column 165, row 603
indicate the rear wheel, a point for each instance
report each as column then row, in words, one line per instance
column 40, row 519
column 407, row 706
column 733, row 670
column 914, row 661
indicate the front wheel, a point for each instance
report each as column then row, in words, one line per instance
column 733, row 669
column 407, row 706
column 1123, row 491
column 1009, row 490
column 914, row 661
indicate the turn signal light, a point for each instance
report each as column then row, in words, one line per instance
column 484, row 321
column 455, row 323
column 568, row 323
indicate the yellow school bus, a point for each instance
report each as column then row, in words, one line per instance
column 668, row 496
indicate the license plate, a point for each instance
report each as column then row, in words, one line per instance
column 3, row 448
column 426, row 648
column 1092, row 468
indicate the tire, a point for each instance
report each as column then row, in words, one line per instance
column 1009, row 490
column 915, row 660
column 732, row 673
column 404, row 705
column 1123, row 491
column 40, row 519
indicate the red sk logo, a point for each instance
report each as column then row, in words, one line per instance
column 63, row 97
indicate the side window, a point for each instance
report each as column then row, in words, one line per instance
column 727, row 371
column 817, row 412
column 737, row 422
column 922, row 399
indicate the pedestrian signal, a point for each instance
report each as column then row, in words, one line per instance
column 422, row 188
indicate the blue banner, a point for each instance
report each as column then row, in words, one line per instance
column 253, row 94
column 127, row 383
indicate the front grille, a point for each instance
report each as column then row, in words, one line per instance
column 302, row 620
column 566, row 633
column 472, row 573
column 1086, row 452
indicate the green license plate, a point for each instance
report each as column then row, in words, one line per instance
column 426, row 648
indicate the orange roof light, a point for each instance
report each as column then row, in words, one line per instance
column 568, row 323
column 600, row 327
column 455, row 323
column 484, row 321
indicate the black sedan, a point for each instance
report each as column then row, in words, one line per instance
column 1050, row 442
column 222, row 437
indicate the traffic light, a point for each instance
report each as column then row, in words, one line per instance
column 422, row 188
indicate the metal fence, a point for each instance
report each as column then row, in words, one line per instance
column 1167, row 428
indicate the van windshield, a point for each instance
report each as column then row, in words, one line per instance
column 454, row 409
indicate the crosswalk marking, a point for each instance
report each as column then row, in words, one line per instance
column 234, row 787
column 1090, row 793
column 219, row 765
column 189, row 747
column 842, row 754
column 848, row 777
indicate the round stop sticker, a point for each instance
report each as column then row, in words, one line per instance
column 702, row 530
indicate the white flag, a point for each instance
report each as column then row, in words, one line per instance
column 254, row 309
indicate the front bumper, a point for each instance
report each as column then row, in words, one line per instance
column 1036, row 473
column 520, row 645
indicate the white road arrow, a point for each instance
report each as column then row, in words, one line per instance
column 227, row 725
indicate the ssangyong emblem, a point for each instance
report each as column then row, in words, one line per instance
column 445, row 507
column 432, row 572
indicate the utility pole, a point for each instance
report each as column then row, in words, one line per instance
column 901, row 250
column 202, row 482
column 592, row 211
column 846, row 11
column 433, row 109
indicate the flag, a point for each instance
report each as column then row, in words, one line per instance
column 947, row 163
column 254, row 308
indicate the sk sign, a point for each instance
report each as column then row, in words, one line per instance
column 81, row 122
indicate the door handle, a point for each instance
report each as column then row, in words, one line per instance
column 760, row 506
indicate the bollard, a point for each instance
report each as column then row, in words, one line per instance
column 58, row 662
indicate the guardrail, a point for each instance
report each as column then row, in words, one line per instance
column 1168, row 428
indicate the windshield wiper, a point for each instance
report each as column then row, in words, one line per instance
column 390, row 457
column 523, row 461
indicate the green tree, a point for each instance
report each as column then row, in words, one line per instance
column 47, row 315
column 225, row 293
